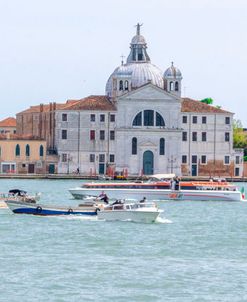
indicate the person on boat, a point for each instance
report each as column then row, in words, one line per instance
column 104, row 197
column 118, row 201
column 176, row 183
column 143, row 200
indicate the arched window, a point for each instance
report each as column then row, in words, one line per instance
column 148, row 117
column 159, row 120
column 171, row 86
column 17, row 150
column 126, row 85
column 121, row 85
column 41, row 151
column 27, row 150
column 162, row 146
column 151, row 118
column 134, row 145
column 138, row 119
column 176, row 86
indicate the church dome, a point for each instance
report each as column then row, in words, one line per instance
column 172, row 72
column 138, row 67
column 140, row 74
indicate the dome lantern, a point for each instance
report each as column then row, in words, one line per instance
column 138, row 46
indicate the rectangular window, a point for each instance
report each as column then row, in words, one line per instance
column 92, row 117
column 237, row 160
column 184, row 119
column 184, row 159
column 102, row 118
column 92, row 135
column 194, row 159
column 194, row 136
column 227, row 137
column 112, row 118
column 64, row 157
column 64, row 134
column 204, row 120
column 92, row 158
column 194, row 119
column 112, row 158
column 64, row 117
column 102, row 134
column 112, row 135
column 102, row 158
column 204, row 136
column 227, row 160
column 184, row 136
column 203, row 159
column 227, row 120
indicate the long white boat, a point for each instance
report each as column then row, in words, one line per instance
column 20, row 207
column 137, row 212
column 161, row 190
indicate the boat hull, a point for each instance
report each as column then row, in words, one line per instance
column 160, row 194
column 135, row 216
column 19, row 207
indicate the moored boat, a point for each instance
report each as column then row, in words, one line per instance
column 162, row 189
column 21, row 207
column 136, row 212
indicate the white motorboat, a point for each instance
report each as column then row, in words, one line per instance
column 159, row 189
column 138, row 212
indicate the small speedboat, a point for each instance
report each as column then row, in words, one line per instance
column 18, row 206
column 23, row 195
column 138, row 212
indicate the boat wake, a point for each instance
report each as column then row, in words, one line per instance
column 78, row 217
column 162, row 220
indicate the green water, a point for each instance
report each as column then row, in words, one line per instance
column 201, row 255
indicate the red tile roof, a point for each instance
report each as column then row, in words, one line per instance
column 42, row 108
column 92, row 102
column 8, row 122
column 189, row 105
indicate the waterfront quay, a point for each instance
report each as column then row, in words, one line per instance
column 106, row 178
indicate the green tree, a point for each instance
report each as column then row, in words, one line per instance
column 239, row 136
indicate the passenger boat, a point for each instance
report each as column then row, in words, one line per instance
column 137, row 212
column 21, row 207
column 159, row 188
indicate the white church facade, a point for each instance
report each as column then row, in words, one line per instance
column 143, row 126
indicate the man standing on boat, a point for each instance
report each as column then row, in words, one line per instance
column 104, row 197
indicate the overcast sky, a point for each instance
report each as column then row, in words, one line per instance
column 54, row 50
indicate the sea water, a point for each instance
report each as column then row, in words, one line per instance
column 197, row 251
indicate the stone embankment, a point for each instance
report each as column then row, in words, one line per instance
column 88, row 177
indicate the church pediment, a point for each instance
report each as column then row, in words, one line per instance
column 151, row 92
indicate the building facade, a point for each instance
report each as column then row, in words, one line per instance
column 140, row 126
column 8, row 125
column 22, row 156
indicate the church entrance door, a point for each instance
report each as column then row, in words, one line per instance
column 148, row 163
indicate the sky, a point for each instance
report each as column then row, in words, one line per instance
column 54, row 50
